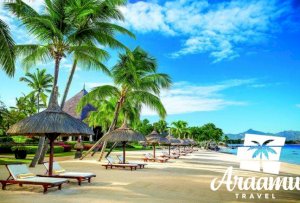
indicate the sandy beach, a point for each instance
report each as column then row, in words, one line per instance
column 184, row 180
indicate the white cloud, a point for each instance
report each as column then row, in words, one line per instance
column 184, row 97
column 219, row 29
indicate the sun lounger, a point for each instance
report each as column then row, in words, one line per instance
column 165, row 154
column 178, row 153
column 20, row 174
column 149, row 157
column 59, row 172
column 141, row 165
column 115, row 164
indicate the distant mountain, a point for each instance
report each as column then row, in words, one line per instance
column 290, row 135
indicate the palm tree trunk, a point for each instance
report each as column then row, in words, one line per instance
column 56, row 70
column 113, row 124
column 38, row 101
column 68, row 83
column 38, row 152
column 44, row 152
column 43, row 145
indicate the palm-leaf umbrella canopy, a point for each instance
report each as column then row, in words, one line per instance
column 124, row 134
column 192, row 142
column 184, row 142
column 173, row 141
column 154, row 138
column 51, row 123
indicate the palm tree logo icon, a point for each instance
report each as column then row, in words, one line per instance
column 261, row 150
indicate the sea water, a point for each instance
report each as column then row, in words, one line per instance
column 289, row 153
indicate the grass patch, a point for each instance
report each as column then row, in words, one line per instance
column 14, row 161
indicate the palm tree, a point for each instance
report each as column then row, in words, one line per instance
column 262, row 149
column 40, row 83
column 161, row 126
column 7, row 55
column 136, row 80
column 60, row 31
column 179, row 128
column 100, row 14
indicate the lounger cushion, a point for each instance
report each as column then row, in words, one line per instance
column 76, row 174
column 44, row 180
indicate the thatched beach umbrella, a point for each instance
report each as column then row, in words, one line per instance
column 154, row 138
column 123, row 134
column 173, row 141
column 51, row 123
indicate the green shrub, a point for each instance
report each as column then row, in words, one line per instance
column 19, row 139
column 32, row 149
column 31, row 141
column 72, row 143
column 6, row 139
column 5, row 148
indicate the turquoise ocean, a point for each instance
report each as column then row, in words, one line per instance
column 289, row 153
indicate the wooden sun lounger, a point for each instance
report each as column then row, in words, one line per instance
column 140, row 165
column 34, row 180
column 170, row 156
column 112, row 164
column 79, row 176
column 150, row 158
column 180, row 154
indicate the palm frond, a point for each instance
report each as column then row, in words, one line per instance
column 7, row 54
column 149, row 100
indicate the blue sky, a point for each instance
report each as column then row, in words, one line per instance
column 233, row 63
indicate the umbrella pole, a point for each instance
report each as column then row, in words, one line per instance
column 169, row 149
column 154, row 150
column 51, row 138
column 124, row 147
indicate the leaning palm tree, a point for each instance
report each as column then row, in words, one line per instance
column 136, row 80
column 40, row 83
column 7, row 55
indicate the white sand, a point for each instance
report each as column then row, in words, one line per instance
column 183, row 180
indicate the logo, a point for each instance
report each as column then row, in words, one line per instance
column 261, row 153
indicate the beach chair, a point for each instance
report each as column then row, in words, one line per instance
column 115, row 164
column 149, row 157
column 59, row 172
column 178, row 153
column 165, row 154
column 20, row 174
column 141, row 165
